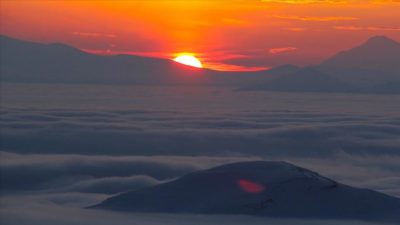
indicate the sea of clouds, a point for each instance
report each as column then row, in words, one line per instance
column 133, row 132
column 66, row 147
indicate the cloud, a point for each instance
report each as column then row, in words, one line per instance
column 298, row 2
column 282, row 50
column 115, row 174
column 110, row 151
column 305, row 1
column 230, row 67
column 64, row 205
column 316, row 18
column 96, row 174
column 296, row 29
column 93, row 35
column 112, row 185
column 380, row 173
column 49, row 209
column 67, row 208
column 135, row 132
column 368, row 28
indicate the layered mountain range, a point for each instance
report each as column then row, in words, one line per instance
column 372, row 67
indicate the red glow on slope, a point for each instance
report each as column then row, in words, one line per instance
column 250, row 187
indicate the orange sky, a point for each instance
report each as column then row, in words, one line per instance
column 224, row 34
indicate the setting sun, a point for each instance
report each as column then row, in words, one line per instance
column 188, row 60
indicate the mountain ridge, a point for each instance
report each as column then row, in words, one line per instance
column 32, row 62
column 377, row 54
column 372, row 67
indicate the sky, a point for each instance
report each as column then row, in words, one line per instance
column 223, row 34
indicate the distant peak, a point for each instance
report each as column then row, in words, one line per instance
column 381, row 40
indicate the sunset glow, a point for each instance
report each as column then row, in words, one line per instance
column 242, row 35
column 188, row 60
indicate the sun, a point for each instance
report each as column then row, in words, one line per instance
column 188, row 60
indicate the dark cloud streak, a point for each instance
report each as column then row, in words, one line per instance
column 174, row 133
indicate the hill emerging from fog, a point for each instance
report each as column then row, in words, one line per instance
column 274, row 189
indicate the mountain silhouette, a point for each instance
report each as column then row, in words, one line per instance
column 303, row 80
column 283, row 69
column 276, row 189
column 23, row 61
column 376, row 60
column 373, row 67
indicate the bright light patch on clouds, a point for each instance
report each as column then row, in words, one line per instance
column 368, row 28
column 281, row 50
column 316, row 18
